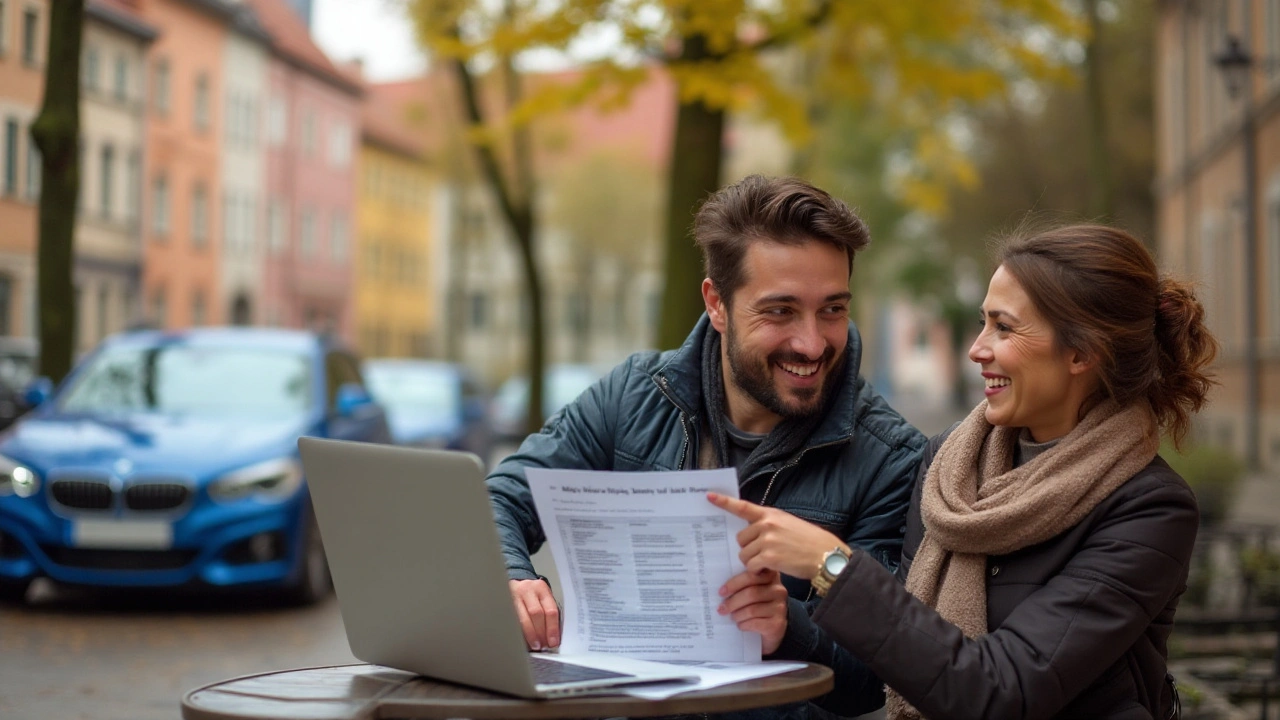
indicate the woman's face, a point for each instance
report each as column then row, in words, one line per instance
column 1031, row 381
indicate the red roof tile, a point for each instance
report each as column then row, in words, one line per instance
column 291, row 39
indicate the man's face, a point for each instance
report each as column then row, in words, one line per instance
column 785, row 331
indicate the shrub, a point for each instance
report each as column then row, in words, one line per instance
column 1213, row 473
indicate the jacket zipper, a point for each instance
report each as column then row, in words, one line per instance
column 795, row 460
column 684, row 420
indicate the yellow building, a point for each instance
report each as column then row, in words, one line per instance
column 396, row 313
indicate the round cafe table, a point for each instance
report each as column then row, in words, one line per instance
column 371, row 692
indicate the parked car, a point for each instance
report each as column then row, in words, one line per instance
column 18, row 359
column 170, row 459
column 431, row 403
column 561, row 385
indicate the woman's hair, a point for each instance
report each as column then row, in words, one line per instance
column 1100, row 290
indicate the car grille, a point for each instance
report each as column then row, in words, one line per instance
column 96, row 559
column 156, row 496
column 82, row 494
column 90, row 494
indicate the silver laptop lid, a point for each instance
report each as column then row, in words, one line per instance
column 416, row 562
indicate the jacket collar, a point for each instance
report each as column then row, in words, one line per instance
column 681, row 379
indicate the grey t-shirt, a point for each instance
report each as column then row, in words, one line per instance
column 741, row 444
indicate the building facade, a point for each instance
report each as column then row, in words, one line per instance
column 312, row 126
column 395, row 297
column 108, row 259
column 244, row 170
column 182, row 225
column 23, row 48
column 1218, row 203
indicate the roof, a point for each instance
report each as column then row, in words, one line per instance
column 239, row 337
column 386, row 124
column 122, row 16
column 429, row 108
column 291, row 40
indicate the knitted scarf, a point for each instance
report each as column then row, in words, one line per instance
column 975, row 504
column 786, row 437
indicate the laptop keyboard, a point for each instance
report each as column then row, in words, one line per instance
column 551, row 672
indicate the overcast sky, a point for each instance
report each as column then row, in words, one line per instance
column 374, row 30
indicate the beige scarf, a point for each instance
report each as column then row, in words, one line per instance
column 975, row 503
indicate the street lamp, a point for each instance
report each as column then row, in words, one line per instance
column 1236, row 63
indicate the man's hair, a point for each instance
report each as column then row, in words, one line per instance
column 784, row 210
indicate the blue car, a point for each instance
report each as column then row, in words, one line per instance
column 170, row 459
column 431, row 403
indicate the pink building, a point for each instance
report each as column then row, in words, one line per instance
column 312, row 132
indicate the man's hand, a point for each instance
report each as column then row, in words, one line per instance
column 778, row 540
column 757, row 601
column 539, row 615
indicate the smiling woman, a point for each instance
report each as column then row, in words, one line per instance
column 1046, row 544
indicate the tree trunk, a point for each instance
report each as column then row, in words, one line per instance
column 56, row 132
column 695, row 173
column 1101, row 195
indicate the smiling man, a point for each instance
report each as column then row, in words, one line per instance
column 766, row 383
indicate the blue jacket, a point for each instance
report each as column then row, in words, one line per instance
column 853, row 477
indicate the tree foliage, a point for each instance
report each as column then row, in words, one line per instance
column 914, row 61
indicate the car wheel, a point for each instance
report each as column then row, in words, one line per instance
column 14, row 592
column 313, row 583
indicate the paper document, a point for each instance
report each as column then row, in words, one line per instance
column 642, row 557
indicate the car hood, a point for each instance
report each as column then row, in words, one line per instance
column 149, row 443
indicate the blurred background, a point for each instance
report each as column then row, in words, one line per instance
column 464, row 195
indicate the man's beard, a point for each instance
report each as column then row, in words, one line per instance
column 757, row 381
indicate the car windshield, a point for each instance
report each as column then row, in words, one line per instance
column 414, row 389
column 208, row 381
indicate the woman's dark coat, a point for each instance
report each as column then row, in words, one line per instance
column 1078, row 624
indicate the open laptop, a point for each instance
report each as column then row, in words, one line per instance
column 420, row 578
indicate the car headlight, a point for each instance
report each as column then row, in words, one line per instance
column 273, row 480
column 16, row 479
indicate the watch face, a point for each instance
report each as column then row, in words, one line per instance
column 835, row 563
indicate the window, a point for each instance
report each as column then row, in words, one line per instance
column 233, row 119
column 161, row 90
column 104, row 300
column 1271, row 278
column 34, row 168
column 133, row 183
column 30, row 36
column 277, row 229
column 340, row 146
column 309, row 134
column 338, row 237
column 228, row 220
column 10, row 156
column 199, row 216
column 202, row 102
column 197, row 308
column 105, row 171
column 248, row 222
column 159, row 310
column 250, row 110
column 308, row 240
column 479, row 311
column 91, row 68
column 6, row 299
column 277, row 122
column 160, row 205
column 4, row 33
column 122, row 78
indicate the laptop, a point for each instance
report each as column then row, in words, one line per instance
column 419, row 574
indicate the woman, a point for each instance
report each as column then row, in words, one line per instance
column 1046, row 544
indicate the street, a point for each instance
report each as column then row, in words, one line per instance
column 77, row 655
column 80, row 655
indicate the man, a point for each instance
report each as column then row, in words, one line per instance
column 766, row 383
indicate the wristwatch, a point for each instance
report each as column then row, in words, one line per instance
column 833, row 563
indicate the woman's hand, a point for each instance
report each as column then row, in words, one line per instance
column 778, row 540
column 757, row 602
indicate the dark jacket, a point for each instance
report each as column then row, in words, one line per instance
column 1078, row 623
column 853, row 476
